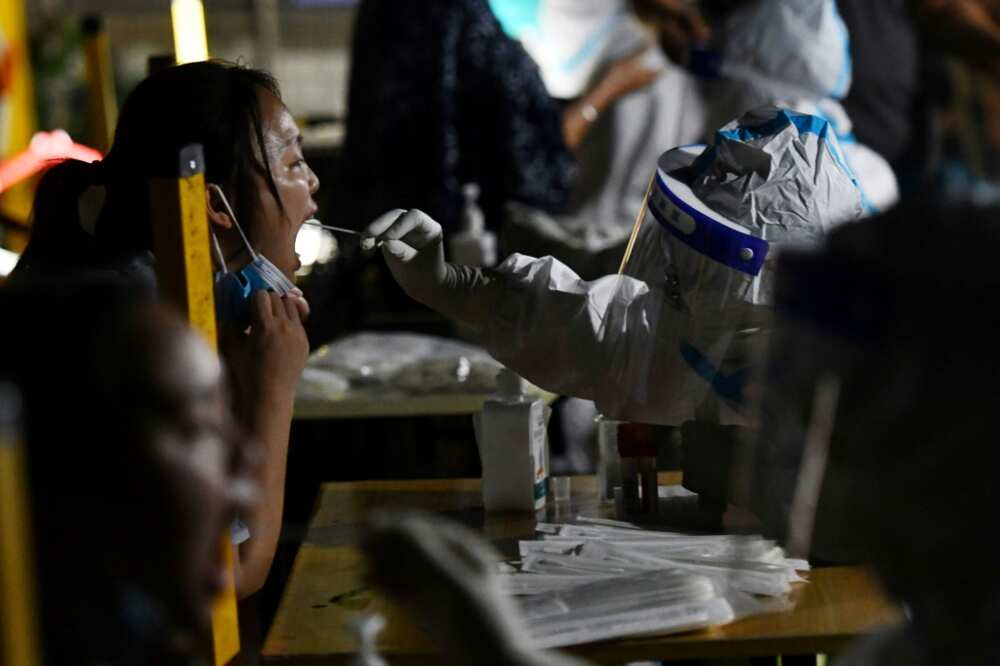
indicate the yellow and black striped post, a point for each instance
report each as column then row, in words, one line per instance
column 20, row 641
column 184, row 272
column 102, row 104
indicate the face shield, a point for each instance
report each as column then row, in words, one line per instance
column 696, row 288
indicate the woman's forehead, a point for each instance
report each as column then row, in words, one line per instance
column 280, row 128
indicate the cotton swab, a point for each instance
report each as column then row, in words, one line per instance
column 350, row 232
column 638, row 225
column 316, row 223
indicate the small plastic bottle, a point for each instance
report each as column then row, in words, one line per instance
column 474, row 245
column 511, row 433
column 609, row 462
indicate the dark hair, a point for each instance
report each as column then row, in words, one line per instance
column 71, row 375
column 213, row 103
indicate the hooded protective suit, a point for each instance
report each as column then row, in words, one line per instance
column 672, row 334
column 795, row 54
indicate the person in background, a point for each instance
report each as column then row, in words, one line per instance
column 441, row 97
column 792, row 54
column 576, row 44
column 136, row 467
column 259, row 192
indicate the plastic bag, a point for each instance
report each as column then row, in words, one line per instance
column 653, row 602
column 408, row 362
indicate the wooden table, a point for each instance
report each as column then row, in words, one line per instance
column 368, row 404
column 326, row 587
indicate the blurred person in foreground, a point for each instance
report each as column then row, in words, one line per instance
column 878, row 425
column 136, row 470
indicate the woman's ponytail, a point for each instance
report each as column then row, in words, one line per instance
column 57, row 238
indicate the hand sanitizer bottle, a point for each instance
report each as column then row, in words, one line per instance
column 513, row 447
column 474, row 245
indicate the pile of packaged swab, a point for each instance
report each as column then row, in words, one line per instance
column 604, row 579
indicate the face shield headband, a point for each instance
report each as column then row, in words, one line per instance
column 686, row 218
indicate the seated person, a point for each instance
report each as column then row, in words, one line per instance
column 440, row 97
column 791, row 54
column 259, row 192
column 580, row 49
column 136, row 469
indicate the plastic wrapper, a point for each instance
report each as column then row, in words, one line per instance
column 319, row 384
column 405, row 362
column 571, row 555
column 655, row 602
column 608, row 579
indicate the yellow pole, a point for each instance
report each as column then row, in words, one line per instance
column 17, row 111
column 184, row 273
column 102, row 103
column 19, row 631
column 190, row 36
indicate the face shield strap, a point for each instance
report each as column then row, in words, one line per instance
column 713, row 238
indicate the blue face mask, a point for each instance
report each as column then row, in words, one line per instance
column 233, row 290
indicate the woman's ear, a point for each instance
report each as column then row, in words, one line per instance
column 218, row 211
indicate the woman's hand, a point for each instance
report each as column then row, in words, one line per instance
column 265, row 365
column 297, row 297
column 630, row 73
column 266, row 360
column 625, row 75
column 278, row 339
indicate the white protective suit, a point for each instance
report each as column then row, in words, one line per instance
column 670, row 336
column 795, row 54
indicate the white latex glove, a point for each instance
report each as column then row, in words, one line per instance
column 444, row 573
column 413, row 247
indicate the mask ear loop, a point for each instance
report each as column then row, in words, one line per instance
column 232, row 215
column 217, row 249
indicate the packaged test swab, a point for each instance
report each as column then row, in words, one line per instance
column 652, row 602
